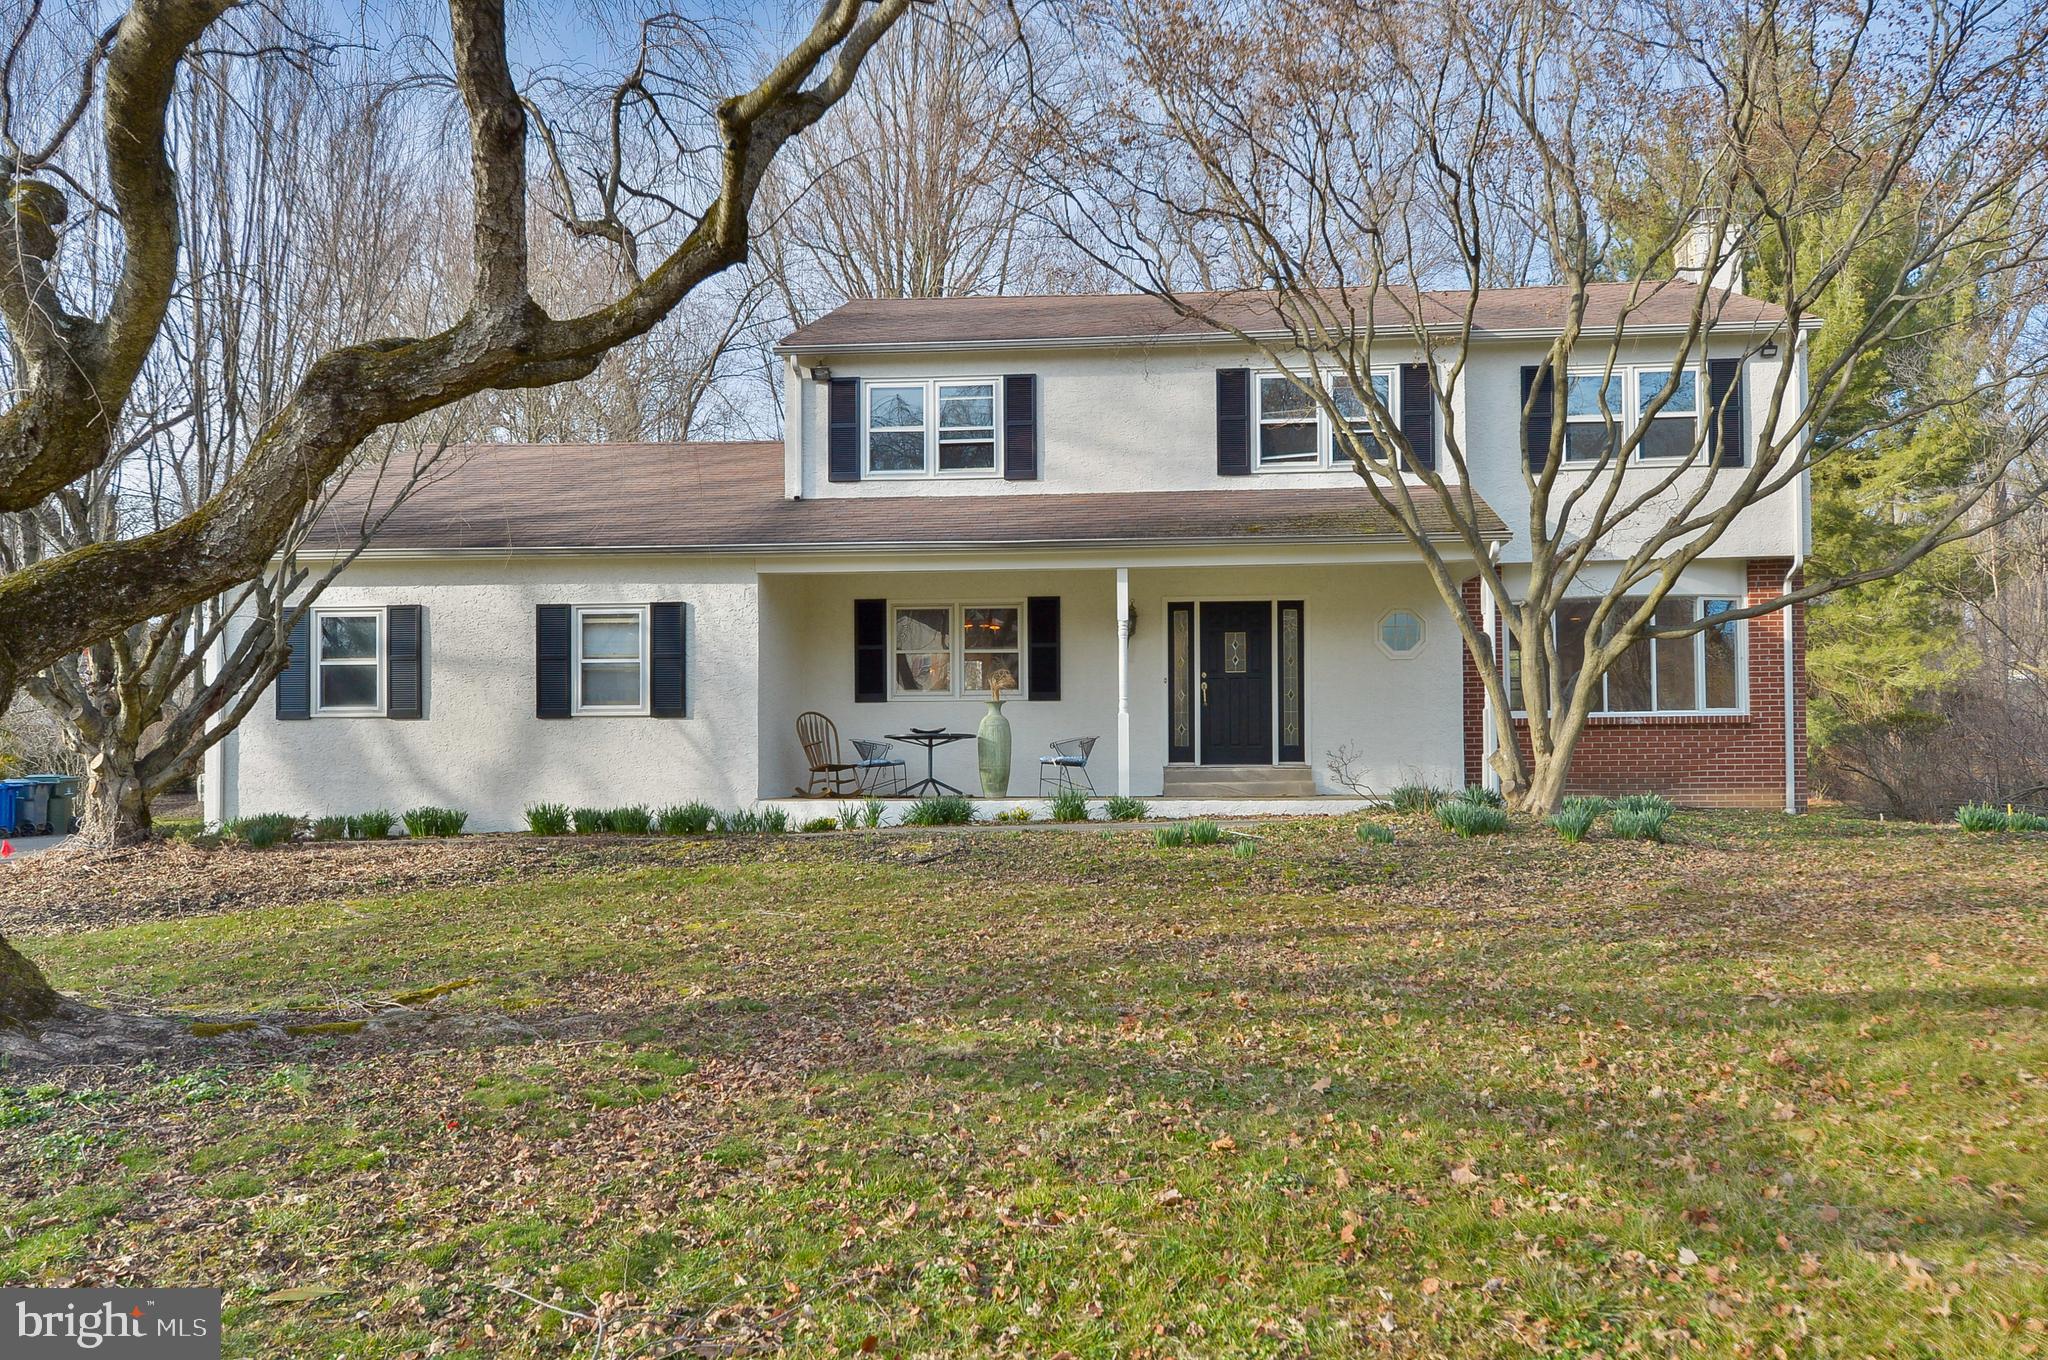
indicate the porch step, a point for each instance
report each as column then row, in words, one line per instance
column 1240, row 781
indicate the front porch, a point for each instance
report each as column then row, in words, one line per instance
column 1224, row 689
column 988, row 811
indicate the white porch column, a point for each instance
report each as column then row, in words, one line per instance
column 1123, row 682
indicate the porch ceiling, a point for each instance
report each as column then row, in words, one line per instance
column 729, row 498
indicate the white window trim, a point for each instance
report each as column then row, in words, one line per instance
column 956, row 637
column 383, row 638
column 1699, row 671
column 1328, row 458
column 1421, row 636
column 577, row 707
column 931, row 470
column 1629, row 416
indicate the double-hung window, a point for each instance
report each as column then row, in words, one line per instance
column 1602, row 408
column 609, row 661
column 1295, row 432
column 348, row 677
column 952, row 649
column 1701, row 673
column 940, row 427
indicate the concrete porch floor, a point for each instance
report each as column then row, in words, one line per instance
column 1156, row 809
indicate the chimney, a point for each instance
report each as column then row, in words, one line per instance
column 1703, row 256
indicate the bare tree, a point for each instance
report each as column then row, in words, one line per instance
column 1361, row 173
column 79, row 340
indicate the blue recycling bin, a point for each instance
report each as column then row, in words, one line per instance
column 14, row 795
column 31, row 806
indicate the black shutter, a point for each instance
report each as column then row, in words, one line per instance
column 295, row 681
column 1233, row 422
column 842, row 440
column 665, row 684
column 1418, row 414
column 1536, row 430
column 403, row 694
column 1727, row 445
column 1020, row 427
column 551, row 661
column 1042, row 622
column 870, row 651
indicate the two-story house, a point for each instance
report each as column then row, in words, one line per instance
column 1121, row 511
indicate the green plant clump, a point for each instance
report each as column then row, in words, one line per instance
column 637, row 820
column 1122, row 809
column 1639, row 824
column 329, row 828
column 1590, row 802
column 820, row 824
column 374, row 825
column 1982, row 817
column 1573, row 822
column 2019, row 819
column 262, row 830
column 871, row 810
column 1069, row 805
column 1415, row 798
column 1241, row 848
column 685, row 819
column 1013, row 816
column 1471, row 819
column 1172, row 836
column 1644, row 802
column 434, row 821
column 1372, row 833
column 947, row 809
column 774, row 820
column 1479, row 793
column 739, row 822
column 548, row 819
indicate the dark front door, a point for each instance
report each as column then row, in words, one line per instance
column 1235, row 687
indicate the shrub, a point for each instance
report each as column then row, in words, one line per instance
column 1982, row 817
column 262, row 830
column 820, row 824
column 434, row 821
column 1415, row 798
column 548, row 819
column 1573, row 822
column 1471, row 819
column 329, row 828
column 1204, row 833
column 1644, row 802
column 773, row 820
column 948, row 809
column 1595, row 805
column 1069, row 805
column 1372, row 833
column 374, row 825
column 1244, row 849
column 630, row 821
column 1479, row 793
column 685, row 819
column 2021, row 820
column 1121, row 809
column 1639, row 824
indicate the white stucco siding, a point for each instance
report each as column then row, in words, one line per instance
column 480, row 747
column 1403, row 716
column 1143, row 418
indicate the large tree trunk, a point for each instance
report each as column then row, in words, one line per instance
column 114, row 807
column 25, row 994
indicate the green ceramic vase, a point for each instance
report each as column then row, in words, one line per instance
column 992, row 744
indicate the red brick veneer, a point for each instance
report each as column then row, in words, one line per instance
column 1706, row 761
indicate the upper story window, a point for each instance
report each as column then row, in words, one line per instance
column 1697, row 674
column 1601, row 410
column 938, row 427
column 1295, row 432
column 348, row 656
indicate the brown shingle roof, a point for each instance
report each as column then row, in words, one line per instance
column 729, row 497
column 912, row 322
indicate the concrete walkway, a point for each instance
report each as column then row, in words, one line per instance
column 31, row 845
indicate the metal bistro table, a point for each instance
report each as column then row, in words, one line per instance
column 931, row 741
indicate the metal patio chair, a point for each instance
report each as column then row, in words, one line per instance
column 880, row 772
column 1066, row 768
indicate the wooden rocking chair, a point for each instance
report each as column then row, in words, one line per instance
column 830, row 776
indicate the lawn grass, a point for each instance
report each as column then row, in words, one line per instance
column 1775, row 1084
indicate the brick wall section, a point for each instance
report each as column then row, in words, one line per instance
column 1475, row 696
column 1717, row 761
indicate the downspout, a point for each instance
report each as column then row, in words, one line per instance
column 1490, row 620
column 1802, row 534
